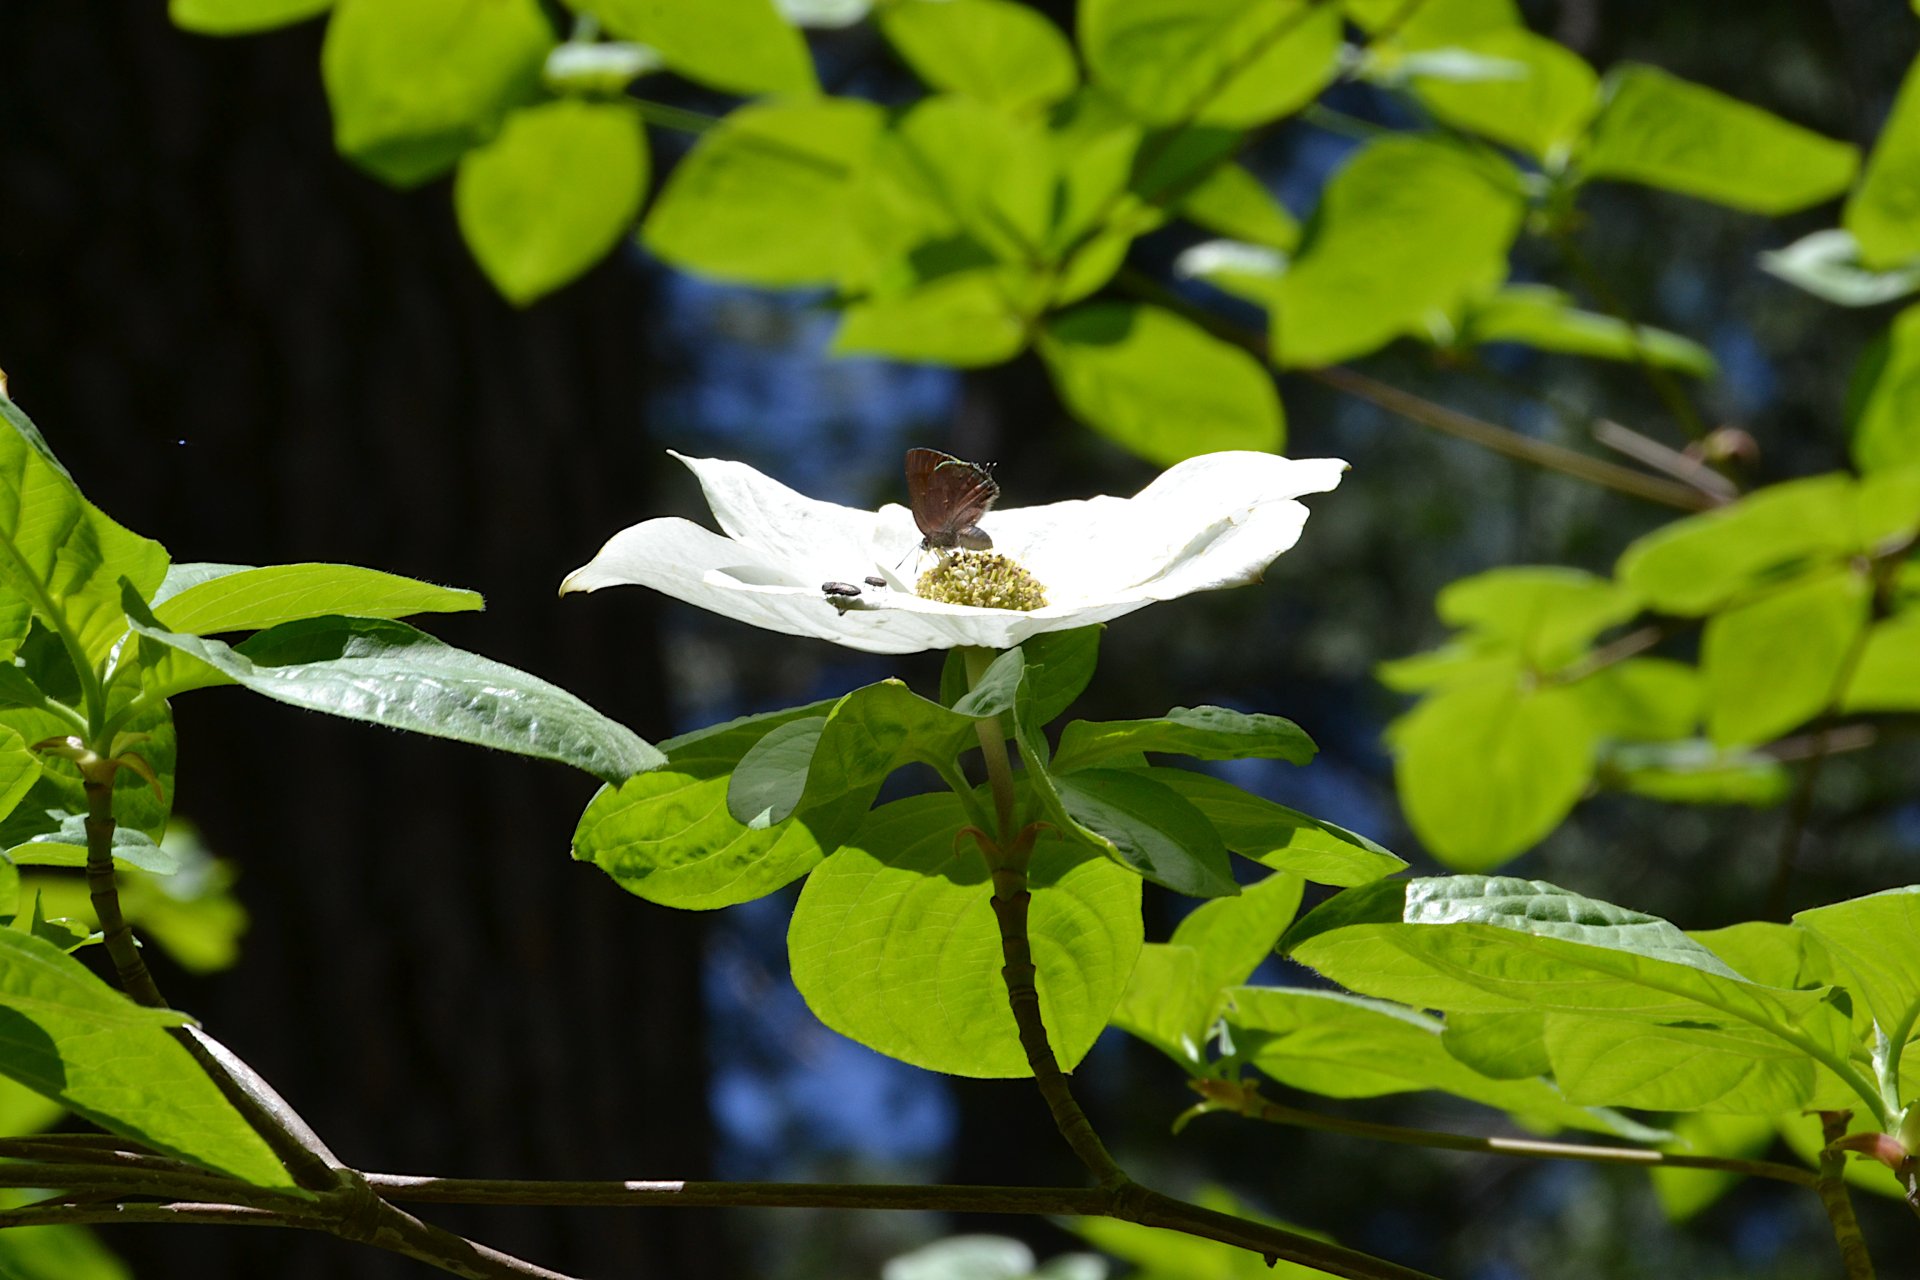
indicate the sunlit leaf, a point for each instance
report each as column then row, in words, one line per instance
column 1540, row 111
column 1883, row 213
column 994, row 50
column 742, row 46
column 1282, row 838
column 1211, row 61
column 1158, row 384
column 1886, row 429
column 1408, row 227
column 894, row 943
column 765, row 196
column 244, row 599
column 241, row 17
column 1543, row 317
column 552, row 194
column 1666, row 132
column 413, row 83
column 66, row 1034
column 1778, row 659
column 1485, row 770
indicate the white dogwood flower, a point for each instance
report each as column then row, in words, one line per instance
column 1214, row 521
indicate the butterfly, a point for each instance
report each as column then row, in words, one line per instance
column 948, row 497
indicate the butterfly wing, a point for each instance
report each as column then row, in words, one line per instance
column 947, row 494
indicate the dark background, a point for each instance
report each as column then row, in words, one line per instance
column 245, row 348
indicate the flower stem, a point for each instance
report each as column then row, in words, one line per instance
column 1832, row 1188
column 993, row 747
column 1007, row 859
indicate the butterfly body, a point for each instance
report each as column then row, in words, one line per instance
column 949, row 496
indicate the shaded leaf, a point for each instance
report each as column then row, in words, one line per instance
column 1282, row 838
column 1883, row 213
column 1150, row 829
column 1205, row 733
column 241, row 17
column 1543, row 317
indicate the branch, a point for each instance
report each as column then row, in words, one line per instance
column 1832, row 1187
column 1248, row 1101
column 1437, row 417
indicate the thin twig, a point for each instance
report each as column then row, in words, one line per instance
column 1662, row 380
column 1250, row 1103
column 1437, row 417
column 1684, row 467
column 1612, row 653
column 637, row 1194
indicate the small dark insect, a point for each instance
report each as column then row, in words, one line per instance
column 840, row 588
column 948, row 497
column 872, row 581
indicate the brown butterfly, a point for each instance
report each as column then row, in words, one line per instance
column 949, row 496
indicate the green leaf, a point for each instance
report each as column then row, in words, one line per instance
column 1055, row 664
column 1550, row 614
column 67, row 1035
column 1666, row 132
column 391, row 674
column 19, row 770
column 1694, row 566
column 552, row 194
column 1149, row 828
column 741, row 46
column 1486, row 770
column 1211, row 61
column 968, row 320
column 1161, row 1254
column 58, row 1253
column 1343, row 1046
column 1886, row 431
column 1780, row 658
column 1542, row 110
column 1176, row 989
column 65, row 845
column 1282, row 838
column 1505, row 1046
column 894, row 943
column 1873, row 939
column 766, row 196
column 1678, row 1067
column 1684, row 1193
column 1432, row 22
column 1160, row 385
column 1543, row 317
column 1643, row 700
column 1232, row 936
column 845, row 755
column 993, row 50
column 956, row 184
column 1408, row 227
column 241, row 17
column 413, row 83
column 1827, row 265
column 1695, row 772
column 1234, row 203
column 666, row 835
column 1883, row 213
column 244, row 599
column 1888, row 675
column 1496, row 944
column 1205, row 733
column 59, row 794
column 59, row 551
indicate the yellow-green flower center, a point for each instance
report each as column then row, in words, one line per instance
column 984, row 579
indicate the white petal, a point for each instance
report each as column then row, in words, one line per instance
column 812, row 538
column 1207, row 522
